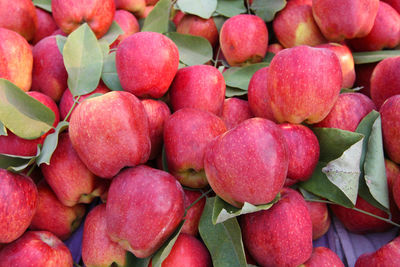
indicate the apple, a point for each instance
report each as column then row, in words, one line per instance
column 248, row 163
column 51, row 215
column 49, row 75
column 36, row 248
column 153, row 78
column 145, row 13
column 193, row 215
column 194, row 25
column 323, row 257
column 134, row 6
column 385, row 80
column 178, row 15
column 384, row 34
column 151, row 2
column 16, row 58
column 303, row 84
column 345, row 19
column 320, row 218
column 199, row 86
column 363, row 77
column 235, row 111
column 128, row 23
column 18, row 202
column 387, row 255
column 144, row 207
column 303, row 150
column 69, row 15
column 187, row 132
column 394, row 3
column 282, row 235
column 244, row 39
column 97, row 247
column 390, row 112
column 110, row 132
column 46, row 25
column 19, row 16
column 274, row 48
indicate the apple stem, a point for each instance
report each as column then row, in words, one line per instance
column 197, row 200
column 72, row 108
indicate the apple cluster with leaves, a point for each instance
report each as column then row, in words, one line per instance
column 213, row 132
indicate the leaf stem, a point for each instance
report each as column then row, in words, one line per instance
column 248, row 7
column 216, row 57
column 72, row 108
column 197, row 200
column 31, row 170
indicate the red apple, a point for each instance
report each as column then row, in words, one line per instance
column 282, row 235
column 345, row 19
column 36, row 248
column 144, row 207
column 18, row 202
column 199, row 86
column 386, row 256
column 323, row 257
column 392, row 174
column 275, row 48
column 390, row 112
column 97, row 247
column 235, row 111
column 244, row 39
column 394, row 3
column 46, row 25
column 110, row 132
column 363, row 77
column 69, row 14
column 303, row 84
column 193, row 215
column 194, row 25
column 187, row 132
column 145, row 13
column 128, row 23
column 146, row 64
column 177, row 17
column 134, row 6
column 248, row 163
column 320, row 218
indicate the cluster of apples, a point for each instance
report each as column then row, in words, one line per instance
column 151, row 151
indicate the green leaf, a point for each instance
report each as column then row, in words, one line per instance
column 266, row 9
column 109, row 74
column 83, row 60
column 157, row 20
column 268, row 57
column 164, row 160
column 231, row 91
column 307, row 195
column 373, row 181
column 374, row 56
column 201, row 8
column 3, row 130
column 193, row 50
column 19, row 110
column 133, row 261
column 17, row 163
column 240, row 77
column 50, row 144
column 61, row 40
column 43, row 4
column 223, row 211
column 165, row 249
column 351, row 90
column 230, row 8
column 223, row 240
column 219, row 21
column 112, row 34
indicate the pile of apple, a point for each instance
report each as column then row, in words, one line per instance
column 215, row 133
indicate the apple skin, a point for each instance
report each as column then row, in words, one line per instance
column 145, row 13
column 356, row 18
column 187, row 132
column 18, row 203
column 358, row 222
column 193, row 215
column 19, row 16
column 295, row 25
column 69, row 15
column 46, row 25
column 390, row 112
column 282, row 235
column 49, row 75
column 199, row 86
column 36, row 248
column 161, row 59
column 110, row 132
column 384, row 34
column 177, row 17
column 388, row 255
column 157, row 112
column 144, row 207
column 194, row 25
column 51, row 215
column 97, row 247
column 323, row 257
column 394, row 3
column 320, row 218
column 134, row 6
column 393, row 174
column 303, row 84
column 303, row 150
column 235, row 111
column 17, row 60
column 363, row 77
column 128, row 23
column 248, row 163
column 244, row 39
column 275, row 48
column 385, row 80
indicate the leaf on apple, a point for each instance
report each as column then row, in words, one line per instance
column 61, row 40
column 231, row 91
column 17, row 163
column 158, row 18
column 3, row 130
column 83, row 59
column 223, row 240
column 43, row 4
column 112, row 34
column 132, row 260
column 193, row 50
column 109, row 73
column 224, row 211
column 239, row 77
column 266, row 9
column 230, row 8
column 202, row 8
column 219, row 21
column 373, row 181
column 18, row 109
column 50, row 144
column 374, row 56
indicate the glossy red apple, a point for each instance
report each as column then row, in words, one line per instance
column 194, row 25
column 323, row 257
column 235, row 111
column 387, row 255
column 46, row 25
column 134, row 6
column 193, row 215
column 390, row 112
column 321, row 221
column 128, row 23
